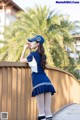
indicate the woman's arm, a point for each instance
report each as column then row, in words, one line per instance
column 22, row 58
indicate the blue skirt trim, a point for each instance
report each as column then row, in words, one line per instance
column 43, row 89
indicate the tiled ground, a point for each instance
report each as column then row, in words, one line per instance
column 71, row 112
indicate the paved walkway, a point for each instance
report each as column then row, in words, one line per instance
column 71, row 112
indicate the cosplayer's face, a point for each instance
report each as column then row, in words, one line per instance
column 33, row 45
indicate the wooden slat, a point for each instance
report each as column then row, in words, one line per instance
column 22, row 93
column 9, row 93
column 35, row 112
column 29, row 96
column 26, row 92
column 32, row 100
column 13, row 108
column 0, row 89
column 54, row 76
column 4, row 89
column 19, row 94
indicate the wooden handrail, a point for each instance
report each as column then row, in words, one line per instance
column 22, row 64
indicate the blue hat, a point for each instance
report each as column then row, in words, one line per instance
column 37, row 38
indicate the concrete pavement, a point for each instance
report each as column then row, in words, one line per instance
column 71, row 112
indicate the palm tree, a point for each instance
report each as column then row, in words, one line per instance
column 53, row 27
column 61, row 38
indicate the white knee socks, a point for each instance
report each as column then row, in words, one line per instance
column 43, row 104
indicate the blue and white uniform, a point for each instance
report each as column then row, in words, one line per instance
column 40, row 81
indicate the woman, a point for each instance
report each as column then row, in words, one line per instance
column 42, row 86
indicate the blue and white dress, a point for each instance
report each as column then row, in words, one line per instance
column 40, row 81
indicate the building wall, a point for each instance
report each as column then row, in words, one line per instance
column 7, row 16
column 76, row 52
column 5, row 20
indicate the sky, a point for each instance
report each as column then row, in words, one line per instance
column 71, row 9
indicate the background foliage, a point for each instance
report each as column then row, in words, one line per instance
column 54, row 27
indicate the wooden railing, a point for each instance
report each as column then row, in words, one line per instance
column 15, row 90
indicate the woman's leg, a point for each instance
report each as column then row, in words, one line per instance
column 40, row 106
column 47, row 105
